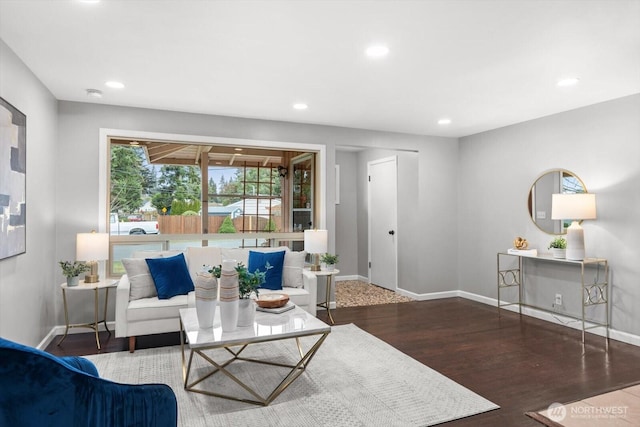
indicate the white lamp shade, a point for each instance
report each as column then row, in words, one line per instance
column 315, row 241
column 92, row 246
column 573, row 206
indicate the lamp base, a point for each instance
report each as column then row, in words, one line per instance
column 92, row 275
column 315, row 258
column 91, row 278
column 575, row 242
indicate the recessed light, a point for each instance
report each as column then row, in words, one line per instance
column 300, row 106
column 377, row 51
column 238, row 149
column 114, row 84
column 94, row 93
column 134, row 143
column 444, row 121
column 89, row 1
column 571, row 81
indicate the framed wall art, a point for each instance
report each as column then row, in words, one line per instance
column 13, row 180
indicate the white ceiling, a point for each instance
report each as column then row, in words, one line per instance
column 484, row 64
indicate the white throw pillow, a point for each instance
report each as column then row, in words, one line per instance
column 199, row 256
column 292, row 270
column 142, row 285
column 239, row 254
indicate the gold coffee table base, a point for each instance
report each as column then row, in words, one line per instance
column 295, row 370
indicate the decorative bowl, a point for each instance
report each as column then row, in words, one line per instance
column 272, row 300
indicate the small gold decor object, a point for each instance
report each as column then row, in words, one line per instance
column 520, row 243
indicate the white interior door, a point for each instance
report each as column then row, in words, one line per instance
column 383, row 237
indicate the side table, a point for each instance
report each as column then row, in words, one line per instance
column 328, row 275
column 95, row 287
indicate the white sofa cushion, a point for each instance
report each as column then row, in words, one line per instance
column 154, row 308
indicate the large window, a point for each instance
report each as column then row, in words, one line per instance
column 157, row 189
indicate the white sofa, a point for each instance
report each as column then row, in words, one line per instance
column 146, row 316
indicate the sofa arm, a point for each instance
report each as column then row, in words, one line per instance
column 122, row 303
column 310, row 283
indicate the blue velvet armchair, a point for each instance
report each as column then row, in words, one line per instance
column 39, row 389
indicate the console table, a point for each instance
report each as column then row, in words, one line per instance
column 594, row 292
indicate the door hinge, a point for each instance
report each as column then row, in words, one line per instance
column 369, row 264
column 369, row 178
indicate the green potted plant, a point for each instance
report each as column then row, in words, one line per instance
column 248, row 283
column 558, row 247
column 72, row 270
column 330, row 260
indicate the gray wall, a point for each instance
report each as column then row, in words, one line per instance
column 29, row 282
column 347, row 214
column 599, row 143
column 409, row 228
column 79, row 125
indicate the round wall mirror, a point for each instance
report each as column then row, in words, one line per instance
column 551, row 182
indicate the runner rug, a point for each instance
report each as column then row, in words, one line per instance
column 356, row 293
column 355, row 379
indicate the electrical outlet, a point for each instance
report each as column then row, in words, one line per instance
column 558, row 299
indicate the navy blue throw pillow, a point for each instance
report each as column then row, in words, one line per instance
column 273, row 278
column 170, row 275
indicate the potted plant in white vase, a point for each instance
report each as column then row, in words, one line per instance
column 558, row 247
column 72, row 270
column 248, row 284
column 329, row 260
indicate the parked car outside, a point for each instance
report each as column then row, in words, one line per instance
column 129, row 227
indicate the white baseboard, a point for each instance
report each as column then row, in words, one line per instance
column 352, row 277
column 426, row 297
column 59, row 330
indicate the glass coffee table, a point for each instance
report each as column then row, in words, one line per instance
column 268, row 327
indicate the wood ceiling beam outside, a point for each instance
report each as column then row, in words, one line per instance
column 246, row 151
column 179, row 153
column 164, row 150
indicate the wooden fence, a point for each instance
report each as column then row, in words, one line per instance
column 178, row 224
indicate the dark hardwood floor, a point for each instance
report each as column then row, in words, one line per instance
column 521, row 364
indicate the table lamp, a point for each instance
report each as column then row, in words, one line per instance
column 315, row 243
column 91, row 248
column 575, row 207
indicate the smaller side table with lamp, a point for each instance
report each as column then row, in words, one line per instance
column 91, row 248
column 95, row 287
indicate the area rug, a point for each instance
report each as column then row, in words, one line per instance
column 356, row 293
column 355, row 379
column 616, row 408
